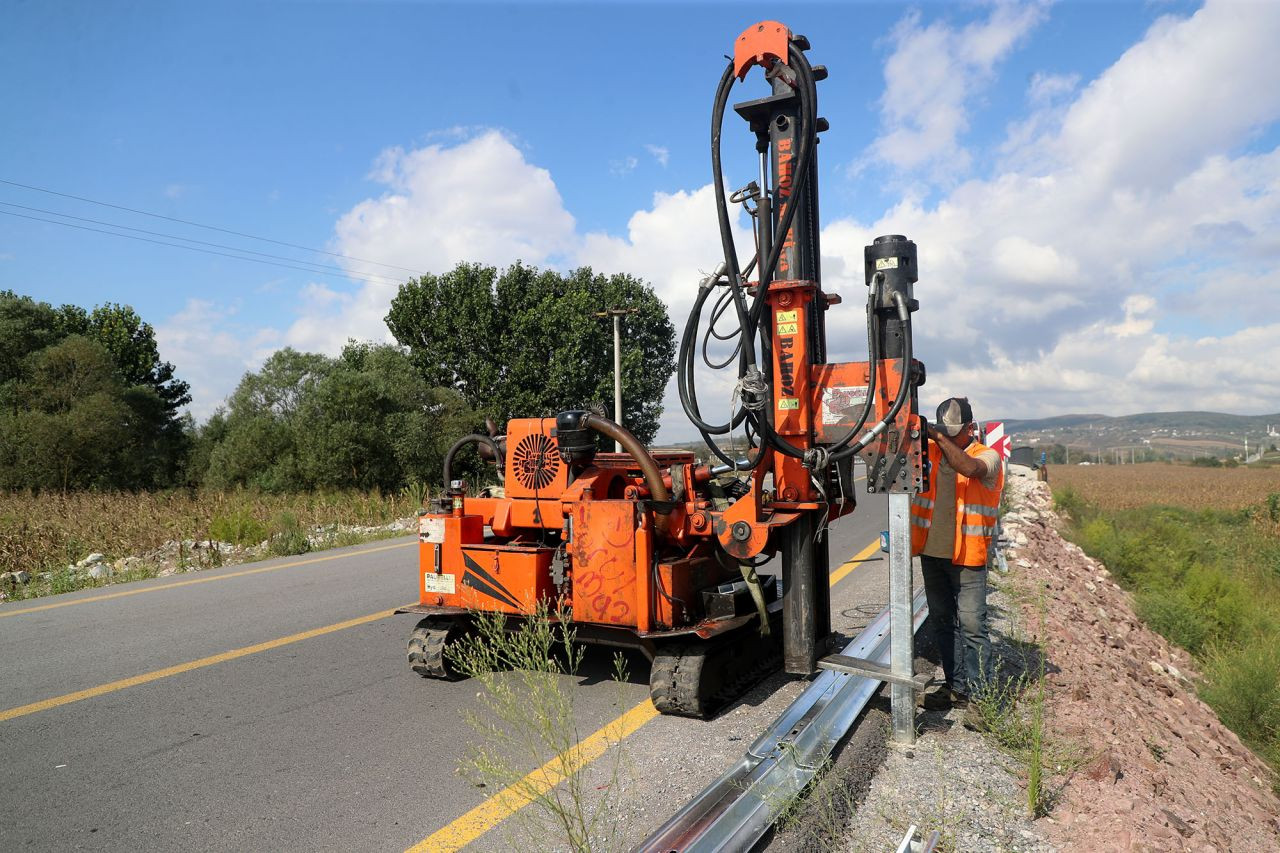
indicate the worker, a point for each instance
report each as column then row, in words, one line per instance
column 953, row 524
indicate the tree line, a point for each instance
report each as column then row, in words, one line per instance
column 86, row 402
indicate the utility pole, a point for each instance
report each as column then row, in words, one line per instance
column 617, row 314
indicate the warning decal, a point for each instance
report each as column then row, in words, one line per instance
column 841, row 404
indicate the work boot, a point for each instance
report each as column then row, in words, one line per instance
column 938, row 700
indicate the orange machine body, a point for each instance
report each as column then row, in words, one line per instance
column 615, row 561
column 615, row 558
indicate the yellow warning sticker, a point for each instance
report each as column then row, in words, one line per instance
column 886, row 263
column 789, row 403
column 785, row 316
column 786, row 328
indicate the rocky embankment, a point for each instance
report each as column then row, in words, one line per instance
column 1134, row 760
column 1160, row 771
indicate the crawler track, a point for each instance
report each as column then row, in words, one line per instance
column 698, row 679
column 427, row 646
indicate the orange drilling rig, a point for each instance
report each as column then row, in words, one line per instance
column 655, row 550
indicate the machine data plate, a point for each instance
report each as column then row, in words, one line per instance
column 440, row 584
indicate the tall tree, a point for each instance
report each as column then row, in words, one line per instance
column 366, row 419
column 527, row 342
column 73, row 427
column 155, row 440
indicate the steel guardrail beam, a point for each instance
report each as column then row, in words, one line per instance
column 735, row 811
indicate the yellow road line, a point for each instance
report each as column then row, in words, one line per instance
column 134, row 681
column 511, row 799
column 160, row 588
column 853, row 562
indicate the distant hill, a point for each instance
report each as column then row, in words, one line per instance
column 1210, row 422
column 1148, row 436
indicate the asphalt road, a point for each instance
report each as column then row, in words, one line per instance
column 269, row 707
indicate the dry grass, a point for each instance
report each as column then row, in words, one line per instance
column 1114, row 487
column 49, row 531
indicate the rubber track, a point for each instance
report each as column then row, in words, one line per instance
column 698, row 679
column 426, row 648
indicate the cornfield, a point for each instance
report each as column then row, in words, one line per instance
column 48, row 531
column 1114, row 487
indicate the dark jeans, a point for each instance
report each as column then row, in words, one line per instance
column 957, row 597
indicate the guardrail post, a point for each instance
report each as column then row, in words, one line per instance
column 901, row 633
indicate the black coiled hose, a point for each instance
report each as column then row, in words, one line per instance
column 748, row 317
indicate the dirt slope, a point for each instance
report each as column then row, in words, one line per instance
column 1162, row 772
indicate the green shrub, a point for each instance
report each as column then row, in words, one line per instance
column 1243, row 685
column 288, row 537
column 1169, row 612
column 1068, row 502
column 238, row 526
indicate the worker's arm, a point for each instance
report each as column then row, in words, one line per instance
column 964, row 464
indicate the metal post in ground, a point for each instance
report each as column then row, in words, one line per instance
column 901, row 633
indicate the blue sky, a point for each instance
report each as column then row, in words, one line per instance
column 1094, row 187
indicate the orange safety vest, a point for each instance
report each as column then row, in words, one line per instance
column 977, row 508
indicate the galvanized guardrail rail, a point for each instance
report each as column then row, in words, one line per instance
column 736, row 810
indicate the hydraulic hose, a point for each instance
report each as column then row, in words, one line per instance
column 805, row 134
column 463, row 442
column 628, row 442
column 873, row 361
column 904, row 386
column 748, row 319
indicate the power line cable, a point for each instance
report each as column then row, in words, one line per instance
column 189, row 248
column 319, row 267
column 210, row 227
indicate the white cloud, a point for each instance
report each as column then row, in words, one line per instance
column 1048, row 88
column 1124, row 367
column 211, row 348
column 931, row 77
column 1116, row 214
column 625, row 166
column 478, row 199
column 661, row 154
column 1192, row 86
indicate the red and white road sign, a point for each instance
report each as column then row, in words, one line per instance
column 996, row 439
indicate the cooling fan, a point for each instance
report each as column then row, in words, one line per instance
column 536, row 461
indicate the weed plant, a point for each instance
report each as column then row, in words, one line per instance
column 527, row 719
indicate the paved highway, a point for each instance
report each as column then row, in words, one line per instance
column 269, row 707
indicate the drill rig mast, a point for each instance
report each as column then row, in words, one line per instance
column 654, row 549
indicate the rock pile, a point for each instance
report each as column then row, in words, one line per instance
column 1161, row 772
